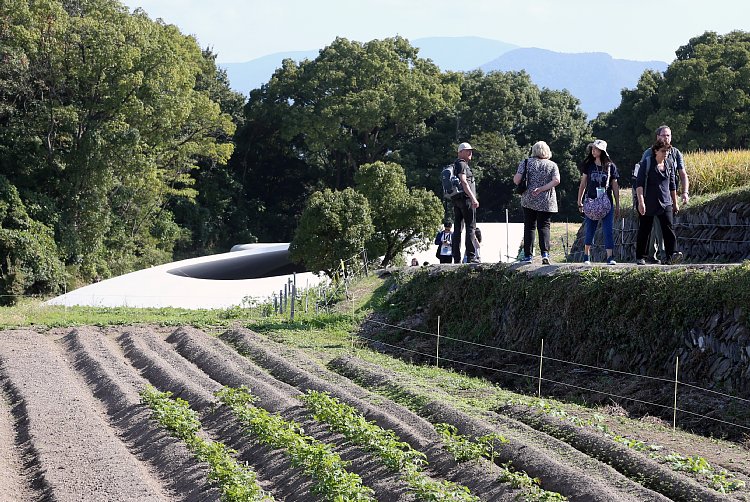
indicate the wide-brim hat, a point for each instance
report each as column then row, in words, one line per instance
column 601, row 145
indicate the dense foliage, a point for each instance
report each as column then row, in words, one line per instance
column 334, row 226
column 105, row 114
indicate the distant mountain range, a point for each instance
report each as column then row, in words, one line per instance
column 595, row 78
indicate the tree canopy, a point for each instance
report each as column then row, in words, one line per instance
column 334, row 226
column 103, row 124
column 402, row 217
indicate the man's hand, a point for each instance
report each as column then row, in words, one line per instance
column 685, row 197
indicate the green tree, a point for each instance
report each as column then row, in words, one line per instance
column 705, row 96
column 355, row 103
column 29, row 263
column 110, row 130
column 334, row 226
column 219, row 216
column 402, row 217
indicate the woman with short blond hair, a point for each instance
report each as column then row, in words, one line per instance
column 539, row 201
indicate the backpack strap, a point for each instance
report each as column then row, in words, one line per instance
column 609, row 171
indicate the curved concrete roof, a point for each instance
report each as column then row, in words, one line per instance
column 215, row 281
column 249, row 270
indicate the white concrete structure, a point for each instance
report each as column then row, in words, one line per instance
column 209, row 282
column 500, row 243
column 226, row 280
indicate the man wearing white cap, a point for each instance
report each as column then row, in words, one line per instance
column 464, row 208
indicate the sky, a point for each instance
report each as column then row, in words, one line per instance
column 643, row 30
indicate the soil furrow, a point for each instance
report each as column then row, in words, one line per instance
column 226, row 366
column 169, row 371
column 116, row 384
column 560, row 467
column 654, row 475
column 166, row 370
column 15, row 484
column 307, row 374
column 80, row 457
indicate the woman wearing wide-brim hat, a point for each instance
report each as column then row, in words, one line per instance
column 599, row 178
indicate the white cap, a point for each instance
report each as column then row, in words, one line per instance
column 464, row 146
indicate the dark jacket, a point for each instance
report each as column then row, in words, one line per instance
column 657, row 186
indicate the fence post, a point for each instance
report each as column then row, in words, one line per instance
column 676, row 369
column 364, row 259
column 294, row 295
column 507, row 237
column 286, row 296
column 437, row 346
column 541, row 359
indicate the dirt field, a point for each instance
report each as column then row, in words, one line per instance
column 72, row 426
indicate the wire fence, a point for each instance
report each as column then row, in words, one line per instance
column 540, row 378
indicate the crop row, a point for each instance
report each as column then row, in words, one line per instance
column 237, row 482
column 720, row 480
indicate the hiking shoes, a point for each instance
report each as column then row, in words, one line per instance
column 527, row 259
column 586, row 259
column 545, row 258
column 676, row 258
column 611, row 261
column 641, row 261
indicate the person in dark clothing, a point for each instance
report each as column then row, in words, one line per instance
column 656, row 194
column 444, row 243
column 464, row 208
column 682, row 182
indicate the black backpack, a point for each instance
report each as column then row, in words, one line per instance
column 452, row 188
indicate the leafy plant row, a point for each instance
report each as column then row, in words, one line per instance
column 316, row 459
column 720, row 480
column 237, row 482
column 465, row 449
column 395, row 454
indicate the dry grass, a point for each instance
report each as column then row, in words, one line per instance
column 714, row 172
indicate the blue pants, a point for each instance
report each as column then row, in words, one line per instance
column 607, row 224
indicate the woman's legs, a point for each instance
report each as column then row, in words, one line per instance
column 644, row 230
column 543, row 223
column 589, row 238
column 529, row 220
column 609, row 238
